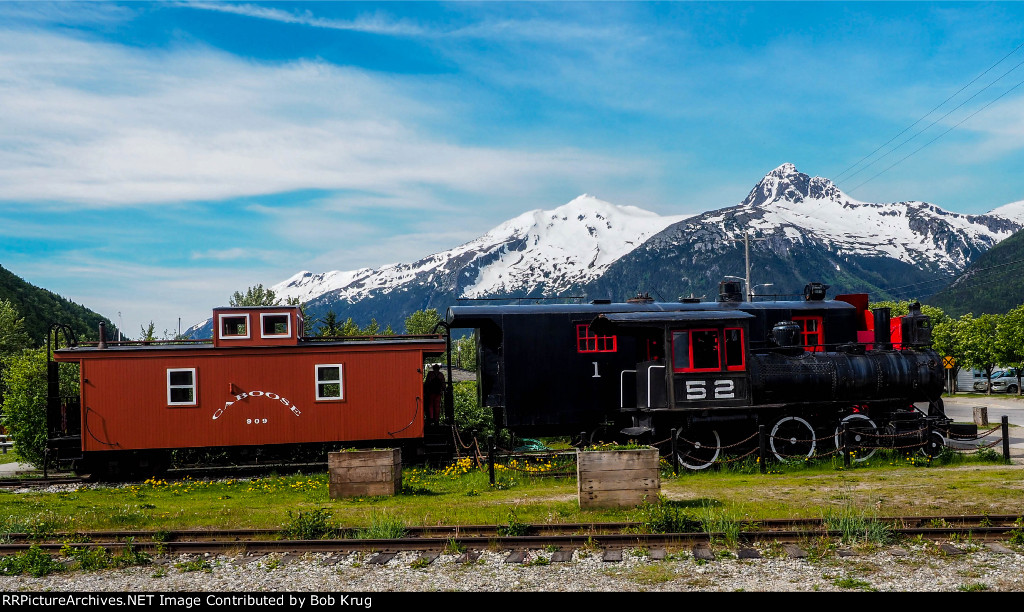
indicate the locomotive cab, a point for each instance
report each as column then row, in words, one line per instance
column 689, row 360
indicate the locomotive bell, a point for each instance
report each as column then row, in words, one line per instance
column 786, row 334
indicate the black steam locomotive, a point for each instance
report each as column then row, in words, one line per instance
column 713, row 372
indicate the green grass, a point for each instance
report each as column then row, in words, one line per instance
column 461, row 494
column 10, row 456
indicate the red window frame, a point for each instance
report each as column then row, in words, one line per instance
column 817, row 335
column 689, row 350
column 743, row 353
column 587, row 342
column 723, row 354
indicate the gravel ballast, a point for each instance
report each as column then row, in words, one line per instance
column 910, row 568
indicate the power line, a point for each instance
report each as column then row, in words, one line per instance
column 956, row 108
column 972, row 81
column 942, row 134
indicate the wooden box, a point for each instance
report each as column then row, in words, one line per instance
column 365, row 473
column 617, row 478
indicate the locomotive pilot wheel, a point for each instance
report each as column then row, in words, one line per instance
column 792, row 438
column 934, row 445
column 857, row 439
column 698, row 450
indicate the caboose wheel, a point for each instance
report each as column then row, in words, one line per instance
column 698, row 450
column 857, row 439
column 933, row 447
column 791, row 438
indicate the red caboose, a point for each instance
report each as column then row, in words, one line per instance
column 257, row 383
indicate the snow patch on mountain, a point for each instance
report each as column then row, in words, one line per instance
column 1014, row 211
column 544, row 251
column 792, row 203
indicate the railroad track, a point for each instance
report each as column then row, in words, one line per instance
column 39, row 483
column 607, row 536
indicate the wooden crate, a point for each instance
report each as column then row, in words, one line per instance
column 617, row 478
column 365, row 473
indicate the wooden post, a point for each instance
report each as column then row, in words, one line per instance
column 617, row 478
column 981, row 416
column 844, row 441
column 675, row 454
column 365, row 473
column 762, row 441
column 490, row 458
column 1006, row 437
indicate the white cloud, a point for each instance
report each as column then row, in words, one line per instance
column 103, row 125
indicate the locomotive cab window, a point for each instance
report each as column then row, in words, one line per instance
column 734, row 360
column 812, row 332
column 275, row 325
column 329, row 383
column 181, row 387
column 588, row 342
column 700, row 350
column 234, row 326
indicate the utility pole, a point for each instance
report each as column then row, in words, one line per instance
column 746, row 258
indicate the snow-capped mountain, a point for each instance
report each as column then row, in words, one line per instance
column 802, row 229
column 541, row 252
column 805, row 229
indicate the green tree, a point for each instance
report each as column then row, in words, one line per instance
column 422, row 321
column 24, row 400
column 977, row 341
column 258, row 296
column 148, row 332
column 329, row 326
column 13, row 336
column 349, row 328
column 254, row 296
column 372, row 329
column 464, row 352
column 1010, row 341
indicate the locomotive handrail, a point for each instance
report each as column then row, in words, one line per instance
column 622, row 388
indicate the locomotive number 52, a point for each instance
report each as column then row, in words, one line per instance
column 719, row 389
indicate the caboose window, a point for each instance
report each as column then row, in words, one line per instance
column 587, row 342
column 181, row 387
column 329, row 383
column 275, row 325
column 812, row 333
column 234, row 326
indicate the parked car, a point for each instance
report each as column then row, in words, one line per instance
column 1003, row 381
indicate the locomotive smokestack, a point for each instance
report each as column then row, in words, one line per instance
column 103, row 336
column 883, row 336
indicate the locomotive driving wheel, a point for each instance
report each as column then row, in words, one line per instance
column 857, row 438
column 698, row 450
column 792, row 437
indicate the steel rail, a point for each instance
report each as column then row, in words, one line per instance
column 804, row 526
column 602, row 541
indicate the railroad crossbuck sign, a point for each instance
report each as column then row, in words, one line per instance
column 948, row 362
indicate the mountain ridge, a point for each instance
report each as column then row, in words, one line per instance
column 803, row 228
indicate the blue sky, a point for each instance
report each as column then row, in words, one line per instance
column 157, row 156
